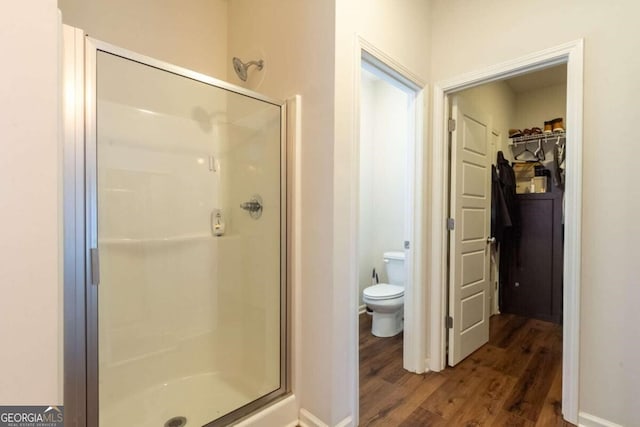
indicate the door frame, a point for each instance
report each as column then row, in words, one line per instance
column 414, row 344
column 572, row 54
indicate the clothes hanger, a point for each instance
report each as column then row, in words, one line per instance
column 558, row 143
column 539, row 153
column 523, row 152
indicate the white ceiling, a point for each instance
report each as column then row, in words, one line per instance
column 539, row 79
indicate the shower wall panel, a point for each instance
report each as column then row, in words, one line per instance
column 189, row 322
column 156, row 246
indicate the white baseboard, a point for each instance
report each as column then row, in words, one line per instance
column 362, row 309
column 588, row 420
column 347, row 422
column 307, row 419
column 281, row 413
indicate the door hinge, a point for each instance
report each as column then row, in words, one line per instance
column 95, row 266
column 449, row 322
column 452, row 125
column 451, row 223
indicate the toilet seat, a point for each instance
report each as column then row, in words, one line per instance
column 383, row 291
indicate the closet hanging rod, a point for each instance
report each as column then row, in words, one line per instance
column 528, row 138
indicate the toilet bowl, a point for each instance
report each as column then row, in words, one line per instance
column 386, row 300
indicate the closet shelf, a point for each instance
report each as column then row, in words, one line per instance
column 545, row 136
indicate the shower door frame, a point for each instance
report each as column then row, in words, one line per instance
column 81, row 274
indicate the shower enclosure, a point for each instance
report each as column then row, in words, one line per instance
column 185, row 181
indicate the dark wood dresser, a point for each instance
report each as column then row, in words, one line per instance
column 534, row 288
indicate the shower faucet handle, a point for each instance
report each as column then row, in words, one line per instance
column 253, row 206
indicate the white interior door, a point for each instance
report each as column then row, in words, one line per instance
column 469, row 239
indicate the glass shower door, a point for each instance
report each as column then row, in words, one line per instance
column 190, row 230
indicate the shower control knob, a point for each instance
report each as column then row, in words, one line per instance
column 253, row 206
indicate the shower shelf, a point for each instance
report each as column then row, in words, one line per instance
column 160, row 240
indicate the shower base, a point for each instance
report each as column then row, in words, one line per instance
column 198, row 398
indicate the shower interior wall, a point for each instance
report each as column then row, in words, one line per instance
column 383, row 163
column 222, row 302
column 215, row 313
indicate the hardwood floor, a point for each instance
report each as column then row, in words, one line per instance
column 514, row 380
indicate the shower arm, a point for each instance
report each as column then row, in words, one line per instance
column 259, row 64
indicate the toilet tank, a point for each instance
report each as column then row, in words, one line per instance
column 394, row 264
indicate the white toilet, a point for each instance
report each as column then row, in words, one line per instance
column 386, row 300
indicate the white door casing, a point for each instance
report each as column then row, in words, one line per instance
column 572, row 54
column 414, row 343
column 469, row 283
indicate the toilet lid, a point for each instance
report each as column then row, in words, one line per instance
column 383, row 291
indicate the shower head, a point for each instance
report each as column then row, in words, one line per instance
column 241, row 68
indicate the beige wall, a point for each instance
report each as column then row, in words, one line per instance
column 534, row 107
column 30, row 273
column 472, row 35
column 296, row 41
column 301, row 56
column 401, row 31
column 195, row 38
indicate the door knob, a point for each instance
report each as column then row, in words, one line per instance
column 491, row 240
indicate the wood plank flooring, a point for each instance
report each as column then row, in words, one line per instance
column 514, row 380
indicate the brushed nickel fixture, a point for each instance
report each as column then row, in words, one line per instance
column 253, row 206
column 241, row 67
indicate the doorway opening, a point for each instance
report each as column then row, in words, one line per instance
column 507, row 173
column 507, row 168
column 389, row 149
column 463, row 308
